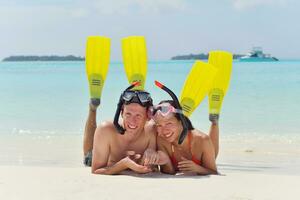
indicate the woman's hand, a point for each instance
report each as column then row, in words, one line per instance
column 152, row 157
column 189, row 166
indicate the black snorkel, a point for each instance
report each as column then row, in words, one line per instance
column 182, row 118
column 120, row 129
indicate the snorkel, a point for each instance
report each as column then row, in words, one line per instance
column 120, row 129
column 182, row 119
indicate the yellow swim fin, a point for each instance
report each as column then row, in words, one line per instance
column 135, row 59
column 196, row 86
column 97, row 63
column 223, row 61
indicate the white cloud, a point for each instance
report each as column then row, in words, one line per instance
column 139, row 6
column 249, row 4
column 82, row 8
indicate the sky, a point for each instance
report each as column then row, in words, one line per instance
column 171, row 27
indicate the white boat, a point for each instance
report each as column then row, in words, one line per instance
column 257, row 55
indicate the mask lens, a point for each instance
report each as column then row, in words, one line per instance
column 165, row 110
column 128, row 95
column 143, row 96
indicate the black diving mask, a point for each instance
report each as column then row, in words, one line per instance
column 136, row 96
column 131, row 96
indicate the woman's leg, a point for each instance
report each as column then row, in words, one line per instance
column 214, row 136
column 214, row 132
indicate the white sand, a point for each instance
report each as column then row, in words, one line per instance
column 78, row 183
column 38, row 168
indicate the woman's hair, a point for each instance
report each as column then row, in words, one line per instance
column 177, row 115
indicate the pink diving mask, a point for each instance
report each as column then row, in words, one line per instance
column 165, row 110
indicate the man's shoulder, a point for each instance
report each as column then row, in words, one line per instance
column 150, row 128
column 105, row 129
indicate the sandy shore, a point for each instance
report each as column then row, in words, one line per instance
column 35, row 168
column 78, row 183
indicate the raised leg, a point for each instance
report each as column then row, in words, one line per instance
column 214, row 135
column 90, row 127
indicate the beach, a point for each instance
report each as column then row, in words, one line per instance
column 52, row 169
column 78, row 183
column 43, row 111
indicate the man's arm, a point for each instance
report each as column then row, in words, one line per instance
column 101, row 153
column 101, row 149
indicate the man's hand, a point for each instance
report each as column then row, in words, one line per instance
column 131, row 162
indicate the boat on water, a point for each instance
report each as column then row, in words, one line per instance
column 257, row 55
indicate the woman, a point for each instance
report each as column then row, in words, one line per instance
column 181, row 148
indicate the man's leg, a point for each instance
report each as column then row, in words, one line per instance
column 214, row 132
column 89, row 131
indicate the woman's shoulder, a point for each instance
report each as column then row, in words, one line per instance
column 199, row 138
column 199, row 135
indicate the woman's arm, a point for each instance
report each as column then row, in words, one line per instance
column 208, row 157
column 165, row 163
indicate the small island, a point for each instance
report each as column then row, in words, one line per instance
column 201, row 56
column 42, row 58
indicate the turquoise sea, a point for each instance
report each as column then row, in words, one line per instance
column 52, row 97
column 44, row 100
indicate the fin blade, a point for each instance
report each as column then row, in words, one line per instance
column 135, row 59
column 97, row 63
column 196, row 86
column 223, row 61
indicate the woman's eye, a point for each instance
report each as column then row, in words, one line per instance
column 158, row 126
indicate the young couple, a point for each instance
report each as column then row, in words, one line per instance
column 148, row 136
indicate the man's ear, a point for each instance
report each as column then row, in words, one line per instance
column 149, row 114
column 122, row 109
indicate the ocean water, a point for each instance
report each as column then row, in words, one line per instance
column 52, row 97
column 45, row 104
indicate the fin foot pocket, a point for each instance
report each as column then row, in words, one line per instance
column 94, row 103
column 214, row 118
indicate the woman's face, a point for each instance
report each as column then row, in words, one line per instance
column 168, row 128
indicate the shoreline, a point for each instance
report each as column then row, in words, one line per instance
column 238, row 155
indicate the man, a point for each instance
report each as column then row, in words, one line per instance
column 117, row 148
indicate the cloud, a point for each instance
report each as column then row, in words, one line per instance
column 250, row 4
column 135, row 6
column 82, row 8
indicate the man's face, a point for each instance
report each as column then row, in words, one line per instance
column 134, row 118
